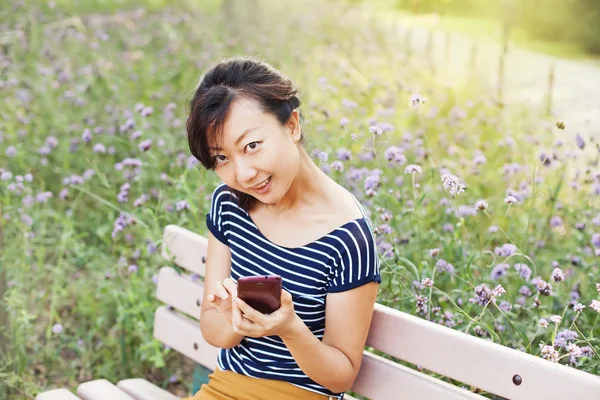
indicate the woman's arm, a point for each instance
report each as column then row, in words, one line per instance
column 216, row 326
column 334, row 362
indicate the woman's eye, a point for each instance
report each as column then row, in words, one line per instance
column 252, row 145
column 218, row 158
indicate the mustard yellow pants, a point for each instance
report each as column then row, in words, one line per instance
column 229, row 385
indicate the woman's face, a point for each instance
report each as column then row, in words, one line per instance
column 258, row 149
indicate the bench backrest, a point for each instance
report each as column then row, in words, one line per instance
column 452, row 354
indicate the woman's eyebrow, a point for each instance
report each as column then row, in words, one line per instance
column 240, row 138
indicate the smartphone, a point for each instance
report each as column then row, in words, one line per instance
column 263, row 292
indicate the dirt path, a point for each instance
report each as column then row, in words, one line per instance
column 576, row 89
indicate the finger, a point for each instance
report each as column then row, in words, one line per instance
column 221, row 291
column 248, row 312
column 231, row 286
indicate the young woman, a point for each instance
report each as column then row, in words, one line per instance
column 277, row 213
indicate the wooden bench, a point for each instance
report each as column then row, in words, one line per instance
column 494, row 368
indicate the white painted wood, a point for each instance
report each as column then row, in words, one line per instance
column 183, row 335
column 141, row 389
column 57, row 394
column 187, row 247
column 101, row 389
column 179, row 291
column 476, row 361
column 377, row 378
column 383, row 379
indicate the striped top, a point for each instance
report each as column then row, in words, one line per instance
column 343, row 259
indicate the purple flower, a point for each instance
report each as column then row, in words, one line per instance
column 579, row 141
column 394, row 154
column 11, row 151
column 182, row 205
column 596, row 240
column 505, row 250
column 444, row 266
column 87, row 135
column 523, row 270
column 344, row 154
column 413, row 169
column 337, row 166
column 145, row 145
column 498, row 271
column 133, row 268
column 556, row 221
column 52, row 142
column 416, row 100
column 558, row 275
column 99, row 148
column 452, row 184
column 57, row 328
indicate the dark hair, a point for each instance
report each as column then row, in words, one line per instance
column 229, row 80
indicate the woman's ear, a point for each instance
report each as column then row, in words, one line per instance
column 294, row 125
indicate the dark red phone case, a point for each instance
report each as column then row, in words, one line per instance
column 263, row 292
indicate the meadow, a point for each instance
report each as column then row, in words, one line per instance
column 487, row 218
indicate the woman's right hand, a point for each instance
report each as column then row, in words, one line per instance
column 225, row 290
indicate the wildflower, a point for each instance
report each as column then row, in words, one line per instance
column 11, row 151
column 499, row 271
column 579, row 141
column 510, row 200
column 598, row 287
column 544, row 288
column 498, row 291
column 376, row 130
column 543, row 322
column 444, row 266
column 344, row 154
column 57, row 328
column 99, row 148
column 155, row 279
column 133, row 268
column 556, row 221
column 578, row 307
column 87, row 135
column 395, row 154
column 452, row 184
column 337, row 166
column 596, row 240
column 421, row 304
column 574, row 350
column 549, row 353
column 558, row 275
column 145, row 145
column 481, row 205
column 427, row 282
column 413, row 169
column 182, row 205
column 436, row 251
column 416, row 100
column 556, row 319
column 506, row 250
column 595, row 305
column 523, row 270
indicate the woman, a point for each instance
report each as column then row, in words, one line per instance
column 276, row 212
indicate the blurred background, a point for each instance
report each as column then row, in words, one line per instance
column 94, row 163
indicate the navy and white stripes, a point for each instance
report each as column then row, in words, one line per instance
column 343, row 259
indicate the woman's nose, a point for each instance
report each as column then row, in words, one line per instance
column 245, row 173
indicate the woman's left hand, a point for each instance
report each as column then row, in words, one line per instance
column 252, row 323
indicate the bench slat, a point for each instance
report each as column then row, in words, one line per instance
column 476, row 361
column 383, row 379
column 187, row 247
column 377, row 379
column 57, row 394
column 179, row 292
column 183, row 334
column 141, row 389
column 101, row 389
